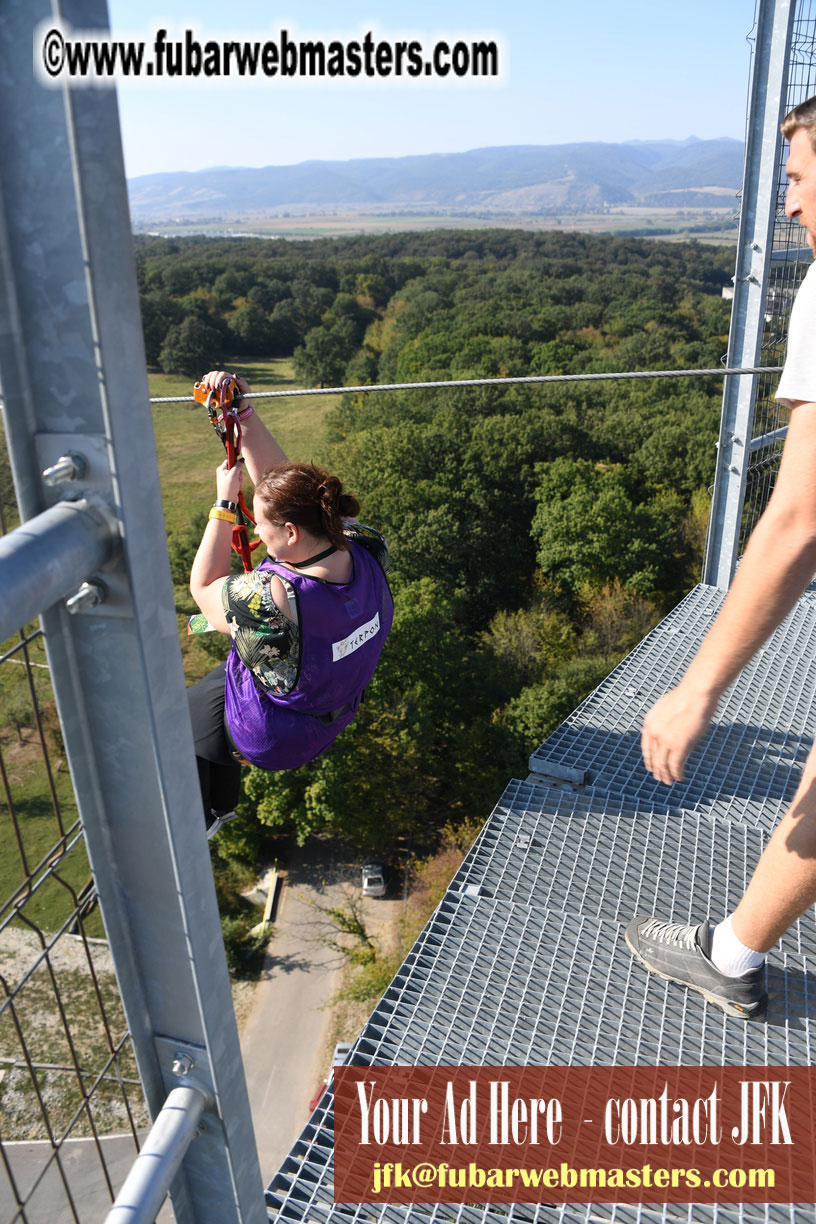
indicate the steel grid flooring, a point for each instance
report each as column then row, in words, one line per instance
column 524, row 961
column 759, row 740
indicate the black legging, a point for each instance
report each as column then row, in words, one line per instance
column 219, row 774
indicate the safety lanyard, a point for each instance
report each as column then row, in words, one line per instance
column 222, row 410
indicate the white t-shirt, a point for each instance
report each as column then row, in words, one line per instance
column 798, row 379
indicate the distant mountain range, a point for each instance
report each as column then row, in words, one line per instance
column 519, row 179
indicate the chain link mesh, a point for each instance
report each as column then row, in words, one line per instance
column 790, row 260
column 71, row 1104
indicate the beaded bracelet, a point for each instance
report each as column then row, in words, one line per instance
column 226, row 516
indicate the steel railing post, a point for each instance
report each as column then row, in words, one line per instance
column 72, row 371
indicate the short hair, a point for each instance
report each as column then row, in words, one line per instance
column 802, row 116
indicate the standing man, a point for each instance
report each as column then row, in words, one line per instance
column 725, row 962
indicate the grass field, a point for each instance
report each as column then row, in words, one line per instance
column 706, row 223
column 188, row 453
column 39, row 791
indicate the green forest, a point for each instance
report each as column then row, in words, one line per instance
column 536, row 532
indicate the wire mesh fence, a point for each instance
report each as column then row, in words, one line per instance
column 70, row 1098
column 790, row 260
column 68, row 1077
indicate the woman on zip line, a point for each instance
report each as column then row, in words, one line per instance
column 307, row 625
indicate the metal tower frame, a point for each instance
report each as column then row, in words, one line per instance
column 74, row 384
column 754, row 246
column 75, row 407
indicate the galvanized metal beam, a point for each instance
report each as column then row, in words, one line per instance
column 754, row 243
column 171, row 1134
column 72, row 367
column 49, row 556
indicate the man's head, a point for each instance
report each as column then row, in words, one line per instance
column 799, row 126
column 802, row 116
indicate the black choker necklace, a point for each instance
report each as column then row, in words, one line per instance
column 327, row 552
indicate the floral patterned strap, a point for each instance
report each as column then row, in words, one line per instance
column 266, row 641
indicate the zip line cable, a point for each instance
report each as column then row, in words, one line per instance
column 489, row 382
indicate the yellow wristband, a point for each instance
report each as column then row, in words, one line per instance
column 225, row 515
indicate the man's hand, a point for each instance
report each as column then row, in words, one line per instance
column 670, row 731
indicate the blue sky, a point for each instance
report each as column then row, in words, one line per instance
column 595, row 70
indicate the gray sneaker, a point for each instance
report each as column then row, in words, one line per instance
column 680, row 953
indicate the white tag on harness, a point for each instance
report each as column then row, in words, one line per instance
column 356, row 639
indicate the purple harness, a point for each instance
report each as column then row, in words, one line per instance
column 343, row 627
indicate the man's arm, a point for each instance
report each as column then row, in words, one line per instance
column 778, row 564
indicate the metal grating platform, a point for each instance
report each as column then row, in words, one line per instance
column 591, row 855
column 524, row 960
column 319, row 1207
column 592, row 1213
column 761, row 734
column 496, row 983
column 499, row 983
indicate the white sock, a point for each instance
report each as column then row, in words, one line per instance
column 730, row 954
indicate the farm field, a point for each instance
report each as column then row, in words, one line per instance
column 705, row 225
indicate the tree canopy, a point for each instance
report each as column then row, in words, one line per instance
column 536, row 531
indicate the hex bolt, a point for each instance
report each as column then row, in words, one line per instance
column 89, row 595
column 71, row 466
column 183, row 1064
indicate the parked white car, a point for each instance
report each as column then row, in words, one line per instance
column 374, row 881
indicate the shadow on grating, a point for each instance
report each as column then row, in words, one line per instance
column 747, row 767
column 501, row 984
column 524, row 960
column 588, row 854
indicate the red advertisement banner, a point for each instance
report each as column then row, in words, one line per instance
column 575, row 1134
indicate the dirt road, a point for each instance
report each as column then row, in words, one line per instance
column 284, row 1040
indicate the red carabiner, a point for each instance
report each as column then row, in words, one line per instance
column 224, row 420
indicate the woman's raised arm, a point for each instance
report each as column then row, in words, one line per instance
column 260, row 450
